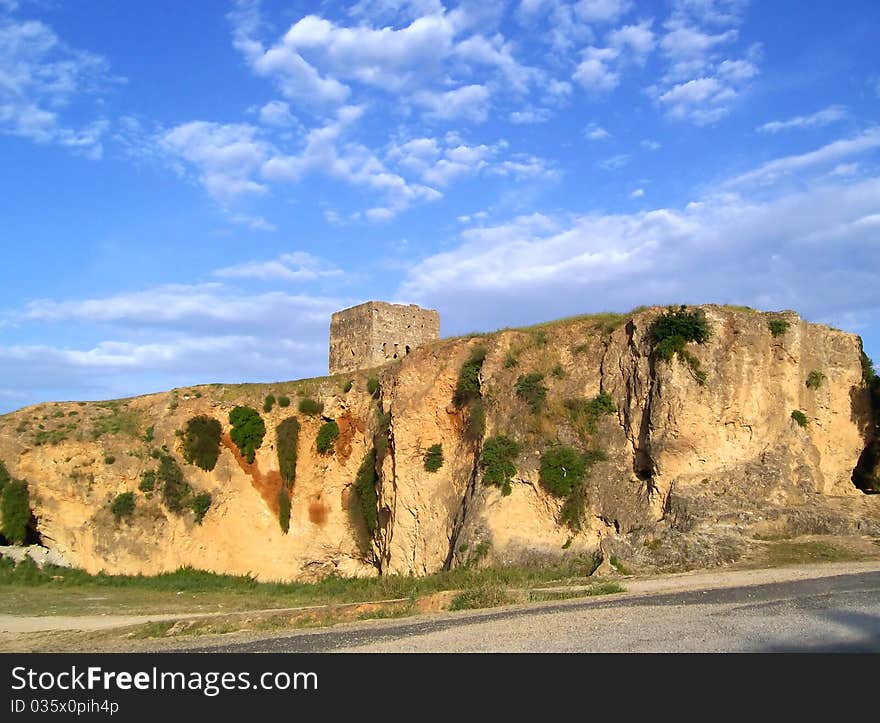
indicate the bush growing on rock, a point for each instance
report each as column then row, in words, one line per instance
column 287, row 434
column 800, row 418
column 562, row 469
column 268, row 403
column 176, row 492
column 815, row 379
column 327, row 436
column 201, row 503
column 777, row 325
column 467, row 389
column 310, row 407
column 365, row 486
column 201, row 442
column 434, row 458
column 530, row 388
column 123, row 505
column 15, row 511
column 283, row 401
column 248, row 430
column 148, row 481
column 284, row 509
column 673, row 329
column 4, row 477
column 372, row 385
column 497, row 462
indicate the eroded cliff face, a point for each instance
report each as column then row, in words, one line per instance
column 689, row 470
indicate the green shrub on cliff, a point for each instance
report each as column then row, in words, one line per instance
column 176, row 492
column 365, row 486
column 777, row 325
column 327, row 436
column 287, row 434
column 434, row 458
column 201, row 503
column 497, row 462
column 530, row 388
column 673, row 329
column 248, row 430
column 467, row 388
column 815, row 379
column 372, row 386
column 800, row 418
column 201, row 442
column 4, row 477
column 123, row 505
column 284, row 509
column 310, row 407
column 15, row 512
column 269, row 403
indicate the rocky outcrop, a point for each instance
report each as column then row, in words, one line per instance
column 689, row 469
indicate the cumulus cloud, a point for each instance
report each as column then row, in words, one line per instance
column 470, row 103
column 277, row 113
column 41, row 77
column 595, row 72
column 225, row 157
column 819, row 119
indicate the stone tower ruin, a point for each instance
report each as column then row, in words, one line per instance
column 375, row 333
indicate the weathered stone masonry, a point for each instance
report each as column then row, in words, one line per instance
column 376, row 333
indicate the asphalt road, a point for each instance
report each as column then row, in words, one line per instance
column 832, row 614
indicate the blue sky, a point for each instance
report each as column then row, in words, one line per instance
column 189, row 190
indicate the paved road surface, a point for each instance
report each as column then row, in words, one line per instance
column 839, row 613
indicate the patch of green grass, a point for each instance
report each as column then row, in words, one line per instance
column 487, row 595
column 530, row 388
column 618, row 565
column 797, row 553
column 372, row 386
column 118, row 420
column 602, row 588
column 584, row 414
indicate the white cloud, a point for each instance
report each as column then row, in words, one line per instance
column 638, row 193
column 226, row 157
column 701, row 100
column 775, row 170
column 637, row 39
column 297, row 266
column 277, row 113
column 819, row 119
column 40, row 79
column 498, row 53
column 470, row 103
column 614, row 162
column 650, row 145
column 724, row 248
column 594, row 72
column 395, row 10
column 596, row 132
column 600, row 11
column 257, row 223
column 530, row 116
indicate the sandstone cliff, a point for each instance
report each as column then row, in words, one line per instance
column 684, row 472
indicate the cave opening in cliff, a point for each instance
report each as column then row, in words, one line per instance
column 866, row 475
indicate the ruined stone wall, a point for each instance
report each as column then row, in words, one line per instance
column 376, row 333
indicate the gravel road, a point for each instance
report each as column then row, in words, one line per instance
column 830, row 613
